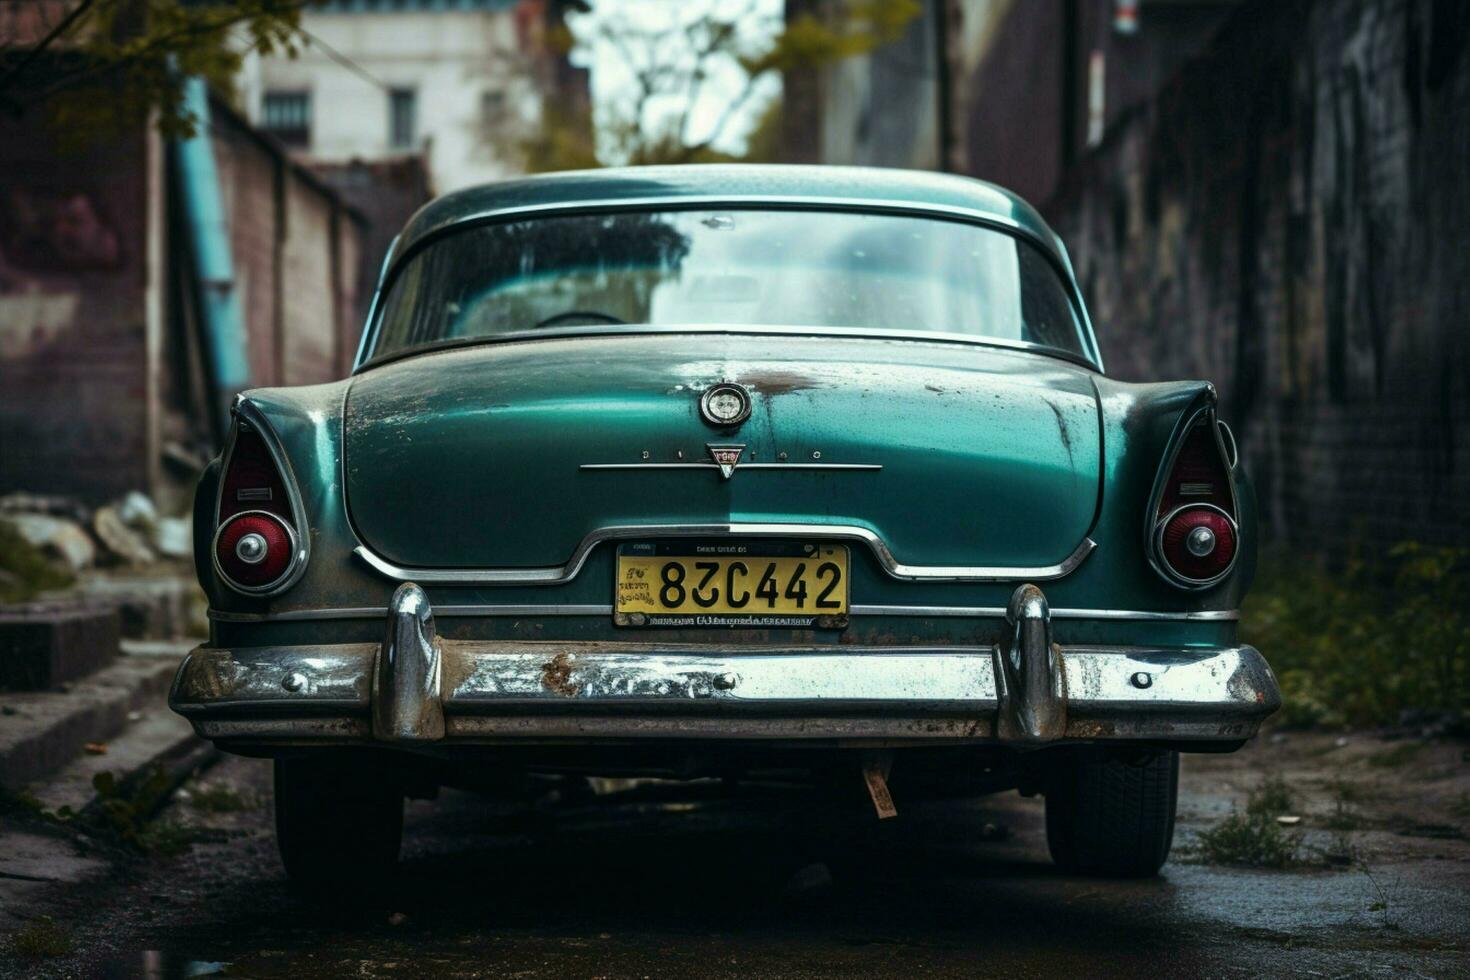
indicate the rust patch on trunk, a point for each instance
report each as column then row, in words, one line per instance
column 556, row 675
column 781, row 382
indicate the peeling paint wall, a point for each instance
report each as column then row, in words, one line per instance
column 96, row 372
column 1290, row 218
column 73, row 330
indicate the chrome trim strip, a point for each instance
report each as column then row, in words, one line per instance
column 996, row 612
column 742, row 467
column 558, row 575
column 378, row 612
column 930, row 612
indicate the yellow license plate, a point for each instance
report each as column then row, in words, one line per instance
column 714, row 583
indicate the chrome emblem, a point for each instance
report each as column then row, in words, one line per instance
column 725, row 404
column 726, row 457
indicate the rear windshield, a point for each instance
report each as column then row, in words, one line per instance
column 804, row 269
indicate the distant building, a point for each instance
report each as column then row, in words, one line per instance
column 1014, row 91
column 1036, row 84
column 880, row 109
column 460, row 82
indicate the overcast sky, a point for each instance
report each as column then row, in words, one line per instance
column 613, row 79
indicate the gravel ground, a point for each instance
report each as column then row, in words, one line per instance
column 689, row 882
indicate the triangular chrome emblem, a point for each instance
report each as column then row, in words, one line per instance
column 726, row 456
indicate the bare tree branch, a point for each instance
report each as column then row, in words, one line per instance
column 72, row 19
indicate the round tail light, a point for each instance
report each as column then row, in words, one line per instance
column 1198, row 542
column 253, row 550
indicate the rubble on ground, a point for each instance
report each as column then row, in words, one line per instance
column 122, row 542
column 49, row 540
column 57, row 538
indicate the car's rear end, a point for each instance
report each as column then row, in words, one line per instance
column 728, row 550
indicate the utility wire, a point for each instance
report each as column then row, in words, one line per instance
column 345, row 61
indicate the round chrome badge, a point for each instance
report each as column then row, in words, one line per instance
column 725, row 404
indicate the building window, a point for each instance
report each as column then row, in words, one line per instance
column 492, row 108
column 401, row 103
column 287, row 117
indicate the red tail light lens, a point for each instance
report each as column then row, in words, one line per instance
column 1195, row 537
column 258, row 545
column 254, row 549
column 1198, row 543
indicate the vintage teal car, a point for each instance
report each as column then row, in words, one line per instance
column 721, row 471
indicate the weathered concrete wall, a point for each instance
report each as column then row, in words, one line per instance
column 1291, row 219
column 74, row 336
column 296, row 250
column 93, row 372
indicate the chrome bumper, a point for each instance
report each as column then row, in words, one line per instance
column 416, row 689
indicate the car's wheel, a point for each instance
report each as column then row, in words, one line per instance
column 1110, row 816
column 339, row 820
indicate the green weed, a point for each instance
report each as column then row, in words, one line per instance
column 1347, row 791
column 1270, row 799
column 1251, row 841
column 1362, row 643
column 1343, row 817
column 125, row 815
column 24, row 569
column 1461, row 806
column 218, row 798
column 1398, row 755
column 41, row 939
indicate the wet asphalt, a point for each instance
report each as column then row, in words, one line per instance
column 695, row 882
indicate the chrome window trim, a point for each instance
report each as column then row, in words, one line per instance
column 1091, row 356
column 247, row 413
column 373, row 303
column 558, row 575
column 551, row 610
column 731, row 330
column 742, row 467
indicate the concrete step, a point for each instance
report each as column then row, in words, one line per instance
column 43, row 644
column 153, row 740
column 42, row 731
column 152, row 605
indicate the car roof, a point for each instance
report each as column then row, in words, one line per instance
column 743, row 184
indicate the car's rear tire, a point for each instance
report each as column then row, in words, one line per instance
column 1111, row 816
column 339, row 821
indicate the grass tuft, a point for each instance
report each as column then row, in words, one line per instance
column 1369, row 642
column 1270, row 799
column 25, row 570
column 1251, row 841
column 218, row 798
column 41, row 939
column 1398, row 755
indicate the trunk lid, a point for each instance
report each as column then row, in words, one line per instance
column 473, row 457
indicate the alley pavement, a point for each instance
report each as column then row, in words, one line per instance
column 690, row 881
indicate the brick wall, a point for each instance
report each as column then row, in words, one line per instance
column 96, row 370
column 74, row 335
column 297, row 248
column 1289, row 219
